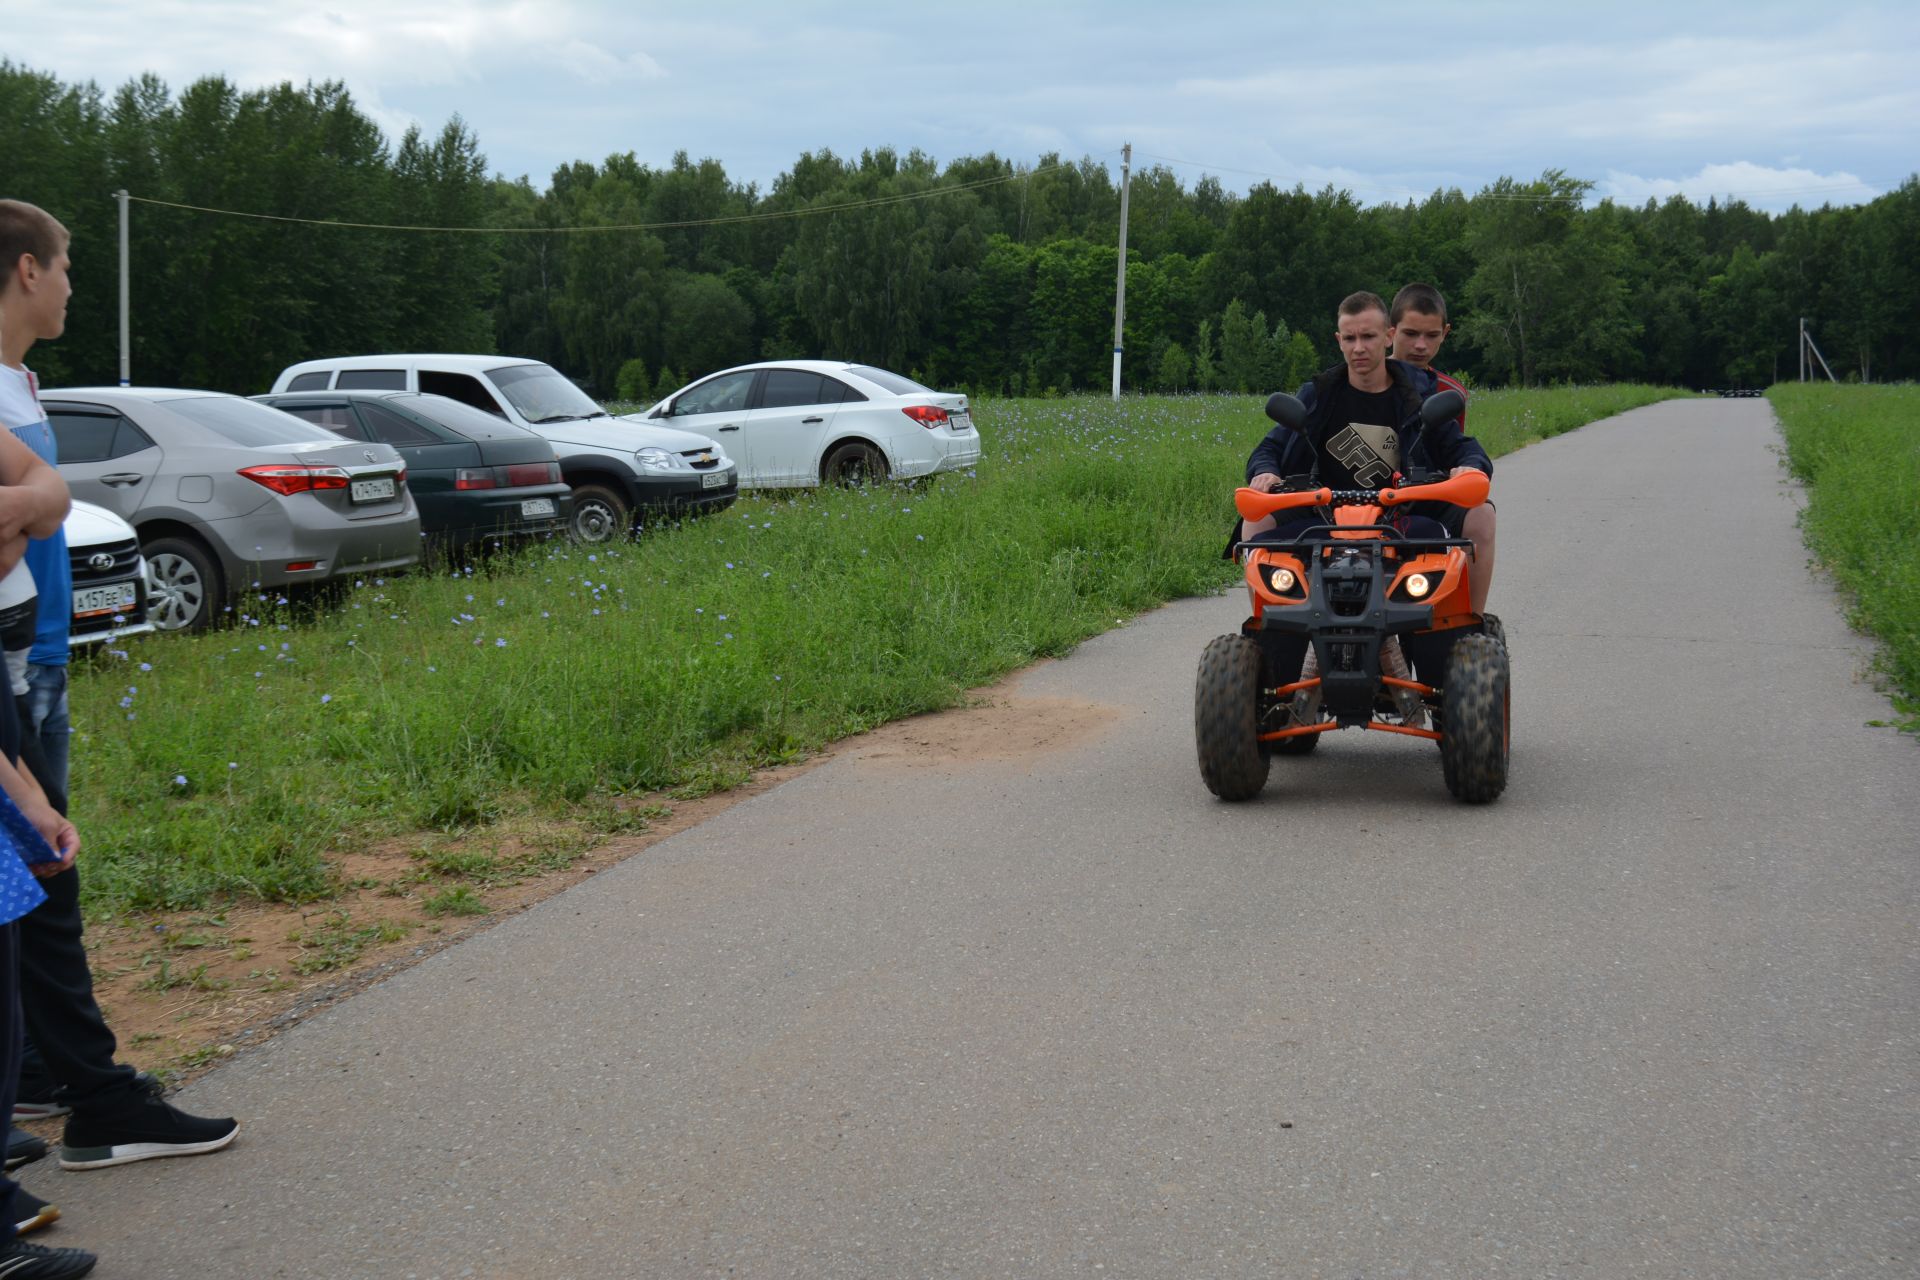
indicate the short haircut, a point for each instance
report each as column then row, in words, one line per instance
column 1423, row 298
column 1358, row 304
column 27, row 228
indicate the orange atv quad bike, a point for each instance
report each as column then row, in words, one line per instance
column 1345, row 587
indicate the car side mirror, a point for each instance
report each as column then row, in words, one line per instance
column 1287, row 411
column 1441, row 407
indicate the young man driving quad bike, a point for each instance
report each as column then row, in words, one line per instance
column 1353, row 595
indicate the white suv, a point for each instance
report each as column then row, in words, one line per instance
column 619, row 468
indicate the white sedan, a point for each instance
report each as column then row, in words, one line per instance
column 795, row 423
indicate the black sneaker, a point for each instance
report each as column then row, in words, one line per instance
column 144, row 1129
column 45, row 1101
column 23, row 1147
column 42, row 1104
column 30, row 1212
column 22, row 1261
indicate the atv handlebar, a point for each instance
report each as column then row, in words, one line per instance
column 1468, row 489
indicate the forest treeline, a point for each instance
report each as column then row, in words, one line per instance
column 985, row 273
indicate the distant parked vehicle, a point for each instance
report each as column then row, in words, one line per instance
column 795, row 423
column 621, row 469
column 224, row 493
column 473, row 475
column 109, row 577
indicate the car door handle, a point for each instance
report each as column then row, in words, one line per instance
column 807, row 422
column 122, row 478
column 731, row 426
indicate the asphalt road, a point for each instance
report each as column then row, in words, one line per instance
column 1027, row 1002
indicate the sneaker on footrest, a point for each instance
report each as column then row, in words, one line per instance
column 30, row 1212
column 148, row 1129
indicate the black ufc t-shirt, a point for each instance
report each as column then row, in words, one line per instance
column 1360, row 448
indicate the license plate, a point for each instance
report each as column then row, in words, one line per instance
column 372, row 490
column 116, row 598
column 713, row 479
column 962, row 421
column 537, row 507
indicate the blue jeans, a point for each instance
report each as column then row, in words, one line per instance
column 45, row 707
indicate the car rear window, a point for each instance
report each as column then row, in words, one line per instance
column 463, row 418
column 372, row 380
column 887, row 381
column 243, row 422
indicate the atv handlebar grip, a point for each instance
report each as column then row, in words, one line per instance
column 1255, row 505
column 1468, row 489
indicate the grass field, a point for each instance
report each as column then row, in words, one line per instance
column 556, row 683
column 1858, row 451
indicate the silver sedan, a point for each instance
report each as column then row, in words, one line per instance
column 225, row 493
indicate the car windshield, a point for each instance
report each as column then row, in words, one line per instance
column 886, row 381
column 540, row 394
column 246, row 423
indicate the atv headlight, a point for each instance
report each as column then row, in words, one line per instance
column 654, row 459
column 1415, row 587
column 1281, row 580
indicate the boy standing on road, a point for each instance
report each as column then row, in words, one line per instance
column 114, row 1115
column 1420, row 326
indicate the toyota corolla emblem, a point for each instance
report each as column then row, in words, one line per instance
column 369, row 454
column 100, row 560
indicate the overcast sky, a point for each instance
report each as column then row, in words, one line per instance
column 1777, row 103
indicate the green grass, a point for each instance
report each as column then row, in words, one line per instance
column 1858, row 451
column 555, row 682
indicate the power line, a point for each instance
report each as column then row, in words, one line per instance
column 873, row 202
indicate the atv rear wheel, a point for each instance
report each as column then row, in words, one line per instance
column 1226, row 716
column 1476, row 719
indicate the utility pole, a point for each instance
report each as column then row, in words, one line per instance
column 1120, row 284
column 126, row 348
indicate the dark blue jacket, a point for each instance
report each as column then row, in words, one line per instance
column 1287, row 453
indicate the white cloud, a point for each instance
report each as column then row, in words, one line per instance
column 1756, row 184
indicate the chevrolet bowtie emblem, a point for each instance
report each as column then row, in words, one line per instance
column 369, row 454
column 706, row 457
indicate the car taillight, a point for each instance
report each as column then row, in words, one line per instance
column 927, row 415
column 526, row 473
column 286, row 479
column 474, row 478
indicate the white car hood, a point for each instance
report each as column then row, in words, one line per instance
column 87, row 525
column 623, row 435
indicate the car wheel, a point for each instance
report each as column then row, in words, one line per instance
column 184, row 585
column 853, row 464
column 599, row 515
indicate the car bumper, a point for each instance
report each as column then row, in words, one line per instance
column 494, row 513
column 683, row 492
column 945, row 452
column 259, row 547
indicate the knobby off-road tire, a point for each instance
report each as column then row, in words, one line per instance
column 1476, row 720
column 1497, row 629
column 1226, row 710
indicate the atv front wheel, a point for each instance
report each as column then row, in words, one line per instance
column 1226, row 717
column 1476, row 719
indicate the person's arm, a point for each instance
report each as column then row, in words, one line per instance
column 32, row 801
column 33, row 497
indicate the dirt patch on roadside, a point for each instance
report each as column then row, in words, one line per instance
column 999, row 728
column 184, row 990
